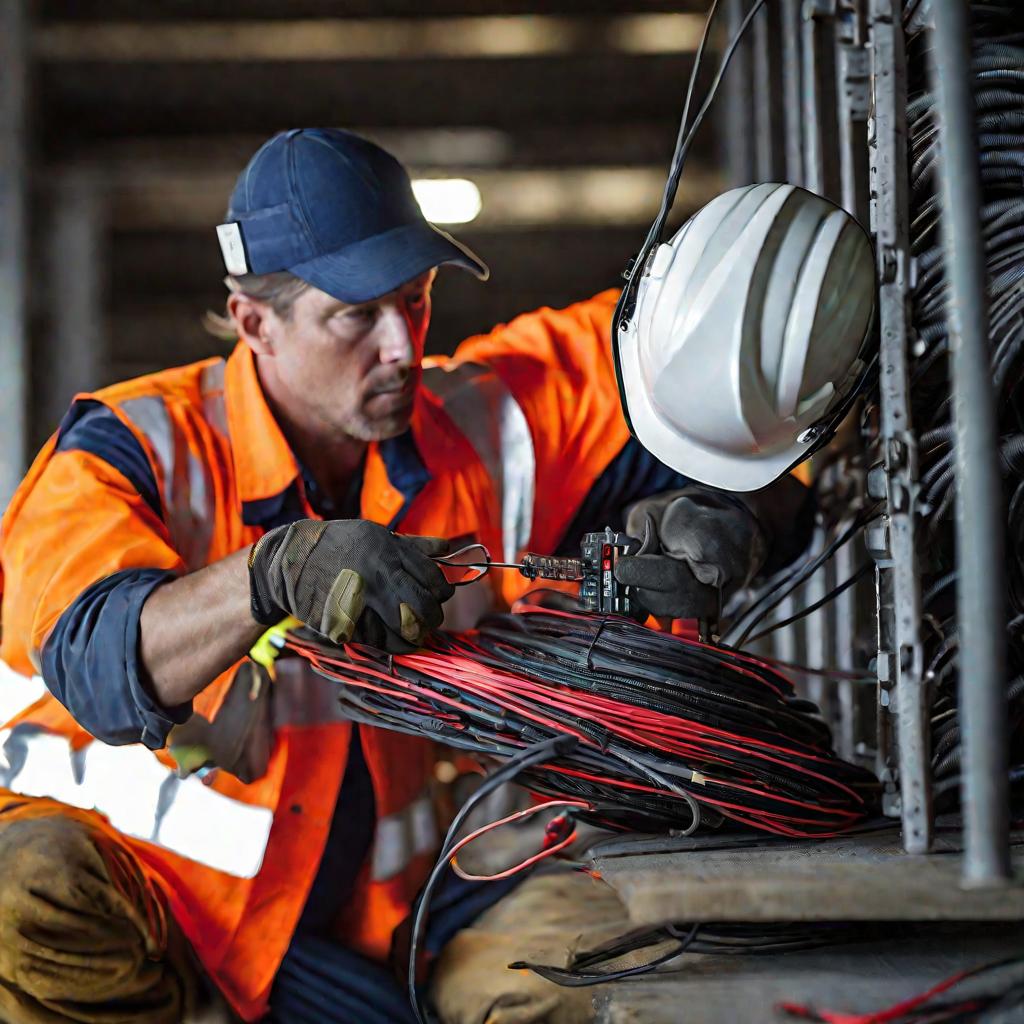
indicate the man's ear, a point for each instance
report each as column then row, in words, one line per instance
column 254, row 322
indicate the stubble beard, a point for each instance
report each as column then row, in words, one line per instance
column 363, row 428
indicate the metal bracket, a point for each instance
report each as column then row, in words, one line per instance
column 900, row 659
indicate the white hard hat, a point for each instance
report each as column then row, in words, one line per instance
column 748, row 335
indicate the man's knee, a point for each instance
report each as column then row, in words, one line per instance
column 542, row 920
column 68, row 930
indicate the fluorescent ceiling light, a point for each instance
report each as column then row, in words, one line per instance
column 185, row 199
column 302, row 39
column 447, row 200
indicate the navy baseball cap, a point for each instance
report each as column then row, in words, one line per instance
column 337, row 211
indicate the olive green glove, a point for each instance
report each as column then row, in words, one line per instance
column 350, row 579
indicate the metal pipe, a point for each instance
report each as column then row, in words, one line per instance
column 979, row 500
column 767, row 117
column 811, row 99
column 13, row 243
column 792, row 112
column 844, row 637
column 739, row 141
column 853, row 86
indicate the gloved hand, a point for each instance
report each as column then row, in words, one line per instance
column 698, row 546
column 542, row 920
column 349, row 579
column 240, row 737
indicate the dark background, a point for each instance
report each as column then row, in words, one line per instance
column 564, row 113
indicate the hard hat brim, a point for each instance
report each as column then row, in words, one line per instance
column 728, row 472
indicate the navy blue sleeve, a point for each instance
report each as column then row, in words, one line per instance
column 91, row 662
column 633, row 474
column 90, row 426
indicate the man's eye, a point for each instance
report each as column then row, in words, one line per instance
column 362, row 314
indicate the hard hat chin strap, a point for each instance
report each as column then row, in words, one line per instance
column 635, row 269
column 821, row 433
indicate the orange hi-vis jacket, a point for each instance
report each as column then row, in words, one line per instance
column 508, row 439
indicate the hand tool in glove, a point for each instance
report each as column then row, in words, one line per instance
column 717, row 535
column 665, row 586
column 350, row 579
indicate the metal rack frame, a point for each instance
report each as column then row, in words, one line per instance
column 840, row 67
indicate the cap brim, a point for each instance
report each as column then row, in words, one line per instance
column 728, row 472
column 375, row 266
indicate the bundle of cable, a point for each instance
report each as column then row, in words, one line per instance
column 670, row 734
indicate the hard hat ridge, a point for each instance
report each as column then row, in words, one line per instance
column 749, row 328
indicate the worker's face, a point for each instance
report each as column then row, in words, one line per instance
column 355, row 369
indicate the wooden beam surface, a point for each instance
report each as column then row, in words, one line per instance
column 856, row 878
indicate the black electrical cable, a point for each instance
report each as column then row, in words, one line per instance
column 595, row 966
column 821, row 602
column 749, row 620
column 627, row 298
column 673, row 734
column 579, row 977
column 546, row 751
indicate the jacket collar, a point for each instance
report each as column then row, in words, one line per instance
column 266, row 470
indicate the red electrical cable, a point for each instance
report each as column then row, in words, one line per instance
column 502, row 698
column 549, row 850
column 903, row 1011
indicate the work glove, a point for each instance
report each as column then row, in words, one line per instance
column 543, row 920
column 240, row 737
column 698, row 546
column 349, row 579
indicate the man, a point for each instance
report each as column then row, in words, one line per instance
column 171, row 519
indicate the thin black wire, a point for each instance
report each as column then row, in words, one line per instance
column 796, row 578
column 546, row 751
column 830, row 596
column 684, row 142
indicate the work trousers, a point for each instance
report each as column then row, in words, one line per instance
column 85, row 937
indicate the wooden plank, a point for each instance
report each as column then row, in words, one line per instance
column 605, row 143
column 855, row 878
column 518, row 198
column 235, row 41
column 851, row 979
column 83, row 99
column 216, row 10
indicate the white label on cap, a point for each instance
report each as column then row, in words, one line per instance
column 232, row 249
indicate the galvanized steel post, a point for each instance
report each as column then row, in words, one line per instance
column 898, row 583
column 979, row 501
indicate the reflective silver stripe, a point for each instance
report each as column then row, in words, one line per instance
column 17, row 691
column 187, row 489
column 403, row 835
column 490, row 418
column 141, row 797
column 150, row 415
column 211, row 384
